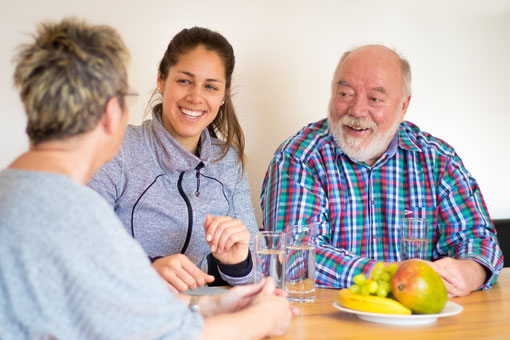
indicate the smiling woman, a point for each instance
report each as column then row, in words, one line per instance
column 193, row 91
column 178, row 182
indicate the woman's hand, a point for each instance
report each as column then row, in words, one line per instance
column 265, row 302
column 180, row 273
column 272, row 305
column 235, row 299
column 228, row 238
column 257, row 310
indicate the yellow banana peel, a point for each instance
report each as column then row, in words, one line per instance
column 369, row 303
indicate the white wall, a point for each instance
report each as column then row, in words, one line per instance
column 286, row 53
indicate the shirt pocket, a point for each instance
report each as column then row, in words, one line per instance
column 429, row 213
column 422, row 212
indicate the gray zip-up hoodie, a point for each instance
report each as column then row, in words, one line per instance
column 161, row 192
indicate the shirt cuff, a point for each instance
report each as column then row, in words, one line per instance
column 491, row 271
column 239, row 269
column 154, row 258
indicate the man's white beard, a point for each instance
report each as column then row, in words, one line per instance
column 353, row 147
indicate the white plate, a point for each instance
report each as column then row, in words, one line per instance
column 451, row 308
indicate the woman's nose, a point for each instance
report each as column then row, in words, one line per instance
column 195, row 95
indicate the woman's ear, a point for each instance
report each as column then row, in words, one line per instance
column 112, row 116
column 160, row 83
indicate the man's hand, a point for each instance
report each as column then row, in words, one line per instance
column 228, row 238
column 180, row 273
column 460, row 277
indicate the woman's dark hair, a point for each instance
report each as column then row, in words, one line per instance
column 225, row 126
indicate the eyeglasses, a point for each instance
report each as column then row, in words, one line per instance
column 131, row 98
column 125, row 94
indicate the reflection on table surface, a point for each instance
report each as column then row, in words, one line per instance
column 207, row 291
column 486, row 315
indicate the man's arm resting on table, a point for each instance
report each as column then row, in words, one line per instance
column 462, row 276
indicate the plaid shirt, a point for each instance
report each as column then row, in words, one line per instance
column 357, row 208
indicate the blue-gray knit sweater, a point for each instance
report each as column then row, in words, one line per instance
column 161, row 192
column 69, row 271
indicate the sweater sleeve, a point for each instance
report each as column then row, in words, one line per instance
column 241, row 208
column 107, row 181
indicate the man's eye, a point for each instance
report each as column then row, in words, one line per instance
column 344, row 96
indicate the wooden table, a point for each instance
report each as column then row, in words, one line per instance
column 486, row 315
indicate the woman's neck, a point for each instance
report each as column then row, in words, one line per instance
column 58, row 157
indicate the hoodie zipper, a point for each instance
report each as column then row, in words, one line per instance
column 188, row 204
column 190, row 213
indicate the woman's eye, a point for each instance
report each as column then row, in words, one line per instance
column 211, row 87
column 184, row 81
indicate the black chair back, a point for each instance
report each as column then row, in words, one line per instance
column 503, row 230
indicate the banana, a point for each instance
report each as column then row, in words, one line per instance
column 369, row 303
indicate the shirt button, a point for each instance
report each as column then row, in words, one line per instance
column 372, row 202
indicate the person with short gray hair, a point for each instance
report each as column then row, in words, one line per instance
column 68, row 268
column 63, row 86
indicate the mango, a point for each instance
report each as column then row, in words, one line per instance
column 418, row 287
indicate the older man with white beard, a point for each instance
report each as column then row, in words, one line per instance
column 358, row 173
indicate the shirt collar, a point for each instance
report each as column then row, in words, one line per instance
column 170, row 154
column 392, row 148
column 400, row 140
column 405, row 141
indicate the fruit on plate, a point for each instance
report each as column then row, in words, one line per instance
column 418, row 287
column 370, row 303
column 378, row 284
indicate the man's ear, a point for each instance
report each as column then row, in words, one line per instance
column 112, row 116
column 403, row 109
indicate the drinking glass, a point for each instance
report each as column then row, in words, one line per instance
column 300, row 263
column 269, row 252
column 415, row 242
